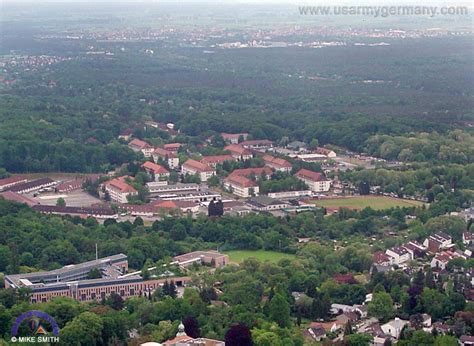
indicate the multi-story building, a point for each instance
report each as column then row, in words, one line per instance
column 155, row 172
column 213, row 161
column 316, row 182
column 438, row 241
column 265, row 203
column 173, row 147
column 193, row 167
column 233, row 138
column 72, row 281
column 167, row 156
column 277, row 163
column 139, row 145
column 398, row 255
column 241, row 186
column 119, row 190
column 238, row 152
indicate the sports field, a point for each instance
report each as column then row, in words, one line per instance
column 238, row 256
column 361, row 202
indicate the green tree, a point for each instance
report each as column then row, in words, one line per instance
column 279, row 310
column 60, row 202
column 381, row 306
column 85, row 329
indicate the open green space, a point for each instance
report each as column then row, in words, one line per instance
column 262, row 255
column 375, row 202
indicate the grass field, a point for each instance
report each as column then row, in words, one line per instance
column 238, row 256
column 361, row 202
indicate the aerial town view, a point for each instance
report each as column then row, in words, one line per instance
column 236, row 173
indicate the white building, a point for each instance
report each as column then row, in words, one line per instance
column 315, row 181
column 167, row 156
column 139, row 145
column 394, row 327
column 398, row 255
column 193, row 167
column 241, row 186
column 119, row 190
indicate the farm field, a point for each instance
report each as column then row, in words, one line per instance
column 238, row 256
column 361, row 202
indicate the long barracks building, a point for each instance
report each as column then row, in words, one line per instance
column 71, row 281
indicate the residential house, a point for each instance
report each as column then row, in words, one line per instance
column 277, row 163
column 468, row 238
column 233, row 138
column 381, row 258
column 316, row 333
column 126, row 134
column 195, row 167
column 438, row 241
column 239, row 152
column 316, row 182
column 118, row 189
column 142, row 146
column 394, row 327
column 466, row 340
column 213, row 161
column 441, row 260
column 415, row 249
column 241, row 186
column 398, row 255
column 167, row 156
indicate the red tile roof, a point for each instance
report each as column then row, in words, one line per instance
column 240, row 180
column 12, row 180
column 380, row 257
column 207, row 160
column 164, row 153
column 139, row 144
column 276, row 161
column 157, row 169
column 237, row 149
column 310, row 175
column 255, row 171
column 197, row 166
column 172, row 146
column 120, row 184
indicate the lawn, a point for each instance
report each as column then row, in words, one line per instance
column 238, row 256
column 361, row 202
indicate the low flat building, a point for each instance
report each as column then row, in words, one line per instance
column 9, row 182
column 265, row 203
column 16, row 197
column 33, row 185
column 257, row 144
column 316, row 182
column 138, row 145
column 119, row 190
column 97, row 213
column 290, row 194
column 171, row 159
column 155, row 172
column 438, row 241
column 193, row 167
column 213, row 258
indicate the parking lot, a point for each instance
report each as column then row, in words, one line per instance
column 73, row 199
